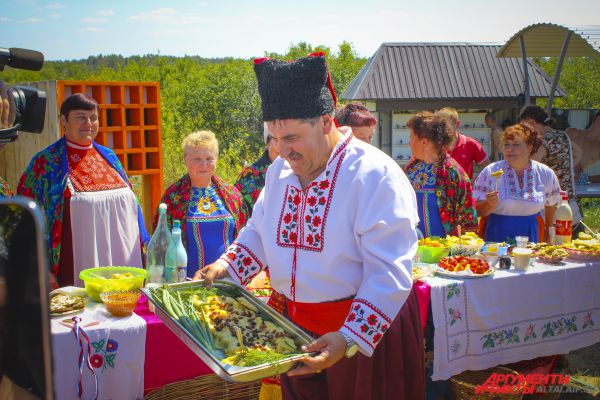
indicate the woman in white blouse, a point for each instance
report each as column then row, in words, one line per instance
column 511, row 203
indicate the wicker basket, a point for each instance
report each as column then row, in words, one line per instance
column 463, row 385
column 207, row 387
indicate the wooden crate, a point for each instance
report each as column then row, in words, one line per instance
column 129, row 125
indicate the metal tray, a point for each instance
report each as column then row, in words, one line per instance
column 225, row 371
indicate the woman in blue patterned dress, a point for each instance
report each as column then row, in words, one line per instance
column 211, row 211
column 443, row 189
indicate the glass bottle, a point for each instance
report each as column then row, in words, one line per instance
column 157, row 248
column 176, row 261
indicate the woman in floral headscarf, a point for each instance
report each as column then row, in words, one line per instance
column 211, row 211
column 444, row 191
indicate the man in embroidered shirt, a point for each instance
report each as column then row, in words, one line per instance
column 335, row 224
column 87, row 198
column 464, row 149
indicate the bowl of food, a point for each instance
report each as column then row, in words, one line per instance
column 468, row 244
column 108, row 279
column 120, row 303
column 551, row 254
column 432, row 249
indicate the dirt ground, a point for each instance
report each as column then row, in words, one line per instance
column 584, row 362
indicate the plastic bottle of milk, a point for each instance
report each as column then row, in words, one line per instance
column 564, row 221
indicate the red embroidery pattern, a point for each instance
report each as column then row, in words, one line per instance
column 90, row 172
column 304, row 213
column 367, row 322
column 243, row 262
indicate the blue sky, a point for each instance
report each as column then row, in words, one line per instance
column 218, row 28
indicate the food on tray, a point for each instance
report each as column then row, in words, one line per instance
column 584, row 236
column 498, row 173
column 212, row 316
column 432, row 242
column 583, row 249
column 251, row 357
column 468, row 239
column 63, row 303
column 419, row 272
column 462, row 263
column 537, row 246
column 225, row 312
column 552, row 253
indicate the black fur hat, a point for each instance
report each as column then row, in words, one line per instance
column 294, row 90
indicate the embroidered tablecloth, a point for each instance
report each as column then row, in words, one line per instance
column 513, row 316
column 116, row 355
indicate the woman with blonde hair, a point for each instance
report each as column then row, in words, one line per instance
column 210, row 210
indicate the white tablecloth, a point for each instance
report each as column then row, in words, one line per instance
column 513, row 316
column 117, row 353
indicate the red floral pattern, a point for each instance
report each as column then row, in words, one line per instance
column 367, row 322
column 252, row 180
column 454, row 193
column 304, row 213
column 242, row 262
column 5, row 189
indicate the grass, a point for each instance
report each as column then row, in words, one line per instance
column 591, row 213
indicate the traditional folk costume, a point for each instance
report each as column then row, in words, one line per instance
column 520, row 207
column 210, row 218
column 92, row 215
column 5, row 190
column 444, row 195
column 339, row 250
column 252, row 180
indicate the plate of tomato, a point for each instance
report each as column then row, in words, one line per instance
column 464, row 267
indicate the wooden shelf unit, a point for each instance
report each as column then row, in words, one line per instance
column 130, row 126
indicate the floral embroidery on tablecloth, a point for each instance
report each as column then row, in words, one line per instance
column 588, row 322
column 456, row 347
column 105, row 352
column 530, row 333
column 453, row 290
column 242, row 262
column 559, row 326
column 455, row 315
column 367, row 322
column 501, row 337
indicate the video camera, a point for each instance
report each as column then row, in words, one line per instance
column 29, row 103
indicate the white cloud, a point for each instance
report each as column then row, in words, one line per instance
column 159, row 15
column 33, row 20
column 92, row 20
column 4, row 19
column 56, row 5
column 92, row 29
column 105, row 13
column 54, row 16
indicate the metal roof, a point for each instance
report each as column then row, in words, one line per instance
column 417, row 71
column 546, row 40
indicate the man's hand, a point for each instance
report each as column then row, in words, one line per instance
column 210, row 273
column 332, row 347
